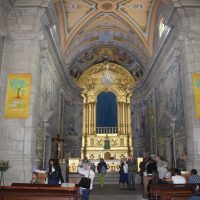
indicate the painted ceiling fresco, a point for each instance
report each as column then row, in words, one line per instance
column 111, row 54
column 127, row 27
column 135, row 13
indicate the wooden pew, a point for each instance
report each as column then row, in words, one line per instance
column 33, row 185
column 180, row 196
column 38, row 193
column 168, row 193
column 157, row 192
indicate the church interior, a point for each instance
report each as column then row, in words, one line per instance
column 98, row 79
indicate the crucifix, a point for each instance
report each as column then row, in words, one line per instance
column 59, row 140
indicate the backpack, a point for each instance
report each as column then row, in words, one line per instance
column 103, row 169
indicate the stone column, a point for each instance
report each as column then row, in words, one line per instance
column 21, row 55
column 189, row 48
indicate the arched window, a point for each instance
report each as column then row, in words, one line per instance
column 106, row 113
column 161, row 27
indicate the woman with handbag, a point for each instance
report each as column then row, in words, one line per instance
column 54, row 174
column 86, row 183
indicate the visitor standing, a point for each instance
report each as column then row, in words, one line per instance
column 54, row 174
column 123, row 174
column 88, row 173
column 102, row 169
column 132, row 170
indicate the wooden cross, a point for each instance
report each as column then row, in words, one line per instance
column 59, row 140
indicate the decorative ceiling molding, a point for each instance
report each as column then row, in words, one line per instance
column 106, row 20
column 139, row 12
column 75, row 11
column 81, row 15
column 106, row 37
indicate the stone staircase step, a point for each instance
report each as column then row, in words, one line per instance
column 110, row 178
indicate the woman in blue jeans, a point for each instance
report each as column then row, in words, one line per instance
column 88, row 173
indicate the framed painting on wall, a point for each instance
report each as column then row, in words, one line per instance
column 196, row 85
column 18, row 95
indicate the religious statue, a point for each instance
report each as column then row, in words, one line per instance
column 59, row 140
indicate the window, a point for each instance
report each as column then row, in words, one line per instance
column 161, row 27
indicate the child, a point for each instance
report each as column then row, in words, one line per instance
column 34, row 179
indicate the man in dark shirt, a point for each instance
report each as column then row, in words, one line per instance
column 151, row 166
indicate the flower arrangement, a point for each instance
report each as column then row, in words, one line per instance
column 4, row 165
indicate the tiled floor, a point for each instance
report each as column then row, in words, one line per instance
column 112, row 192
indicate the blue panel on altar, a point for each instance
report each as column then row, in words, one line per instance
column 106, row 110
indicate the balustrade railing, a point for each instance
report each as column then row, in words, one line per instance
column 109, row 130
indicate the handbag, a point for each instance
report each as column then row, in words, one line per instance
column 85, row 182
column 54, row 175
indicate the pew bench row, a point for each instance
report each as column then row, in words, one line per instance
column 171, row 191
column 38, row 192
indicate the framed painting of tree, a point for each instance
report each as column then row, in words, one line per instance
column 18, row 96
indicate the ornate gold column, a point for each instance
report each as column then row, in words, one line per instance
column 129, row 134
column 89, row 118
column 84, row 129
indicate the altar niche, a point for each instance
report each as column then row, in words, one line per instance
column 106, row 111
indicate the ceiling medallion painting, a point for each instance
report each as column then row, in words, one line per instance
column 106, row 6
column 107, row 0
column 101, row 54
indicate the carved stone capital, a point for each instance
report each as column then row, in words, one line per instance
column 183, row 3
column 31, row 3
column 24, row 11
column 22, row 34
column 188, row 34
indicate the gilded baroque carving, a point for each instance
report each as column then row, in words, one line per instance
column 119, row 81
column 99, row 142
column 114, row 142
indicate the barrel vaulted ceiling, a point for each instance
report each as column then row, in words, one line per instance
column 120, row 31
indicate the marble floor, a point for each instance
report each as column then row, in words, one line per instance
column 112, row 192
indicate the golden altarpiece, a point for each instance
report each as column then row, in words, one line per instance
column 106, row 142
